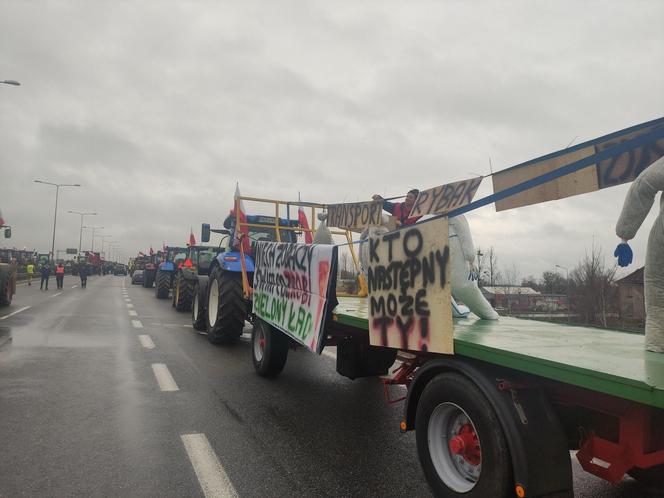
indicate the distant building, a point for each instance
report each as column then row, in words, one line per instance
column 512, row 297
column 631, row 300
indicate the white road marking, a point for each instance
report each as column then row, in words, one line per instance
column 146, row 341
column 137, row 324
column 188, row 326
column 14, row 313
column 74, row 286
column 211, row 474
column 164, row 377
column 54, row 295
column 129, row 305
column 132, row 313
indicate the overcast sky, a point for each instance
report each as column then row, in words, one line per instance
column 158, row 108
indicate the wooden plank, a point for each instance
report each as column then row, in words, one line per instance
column 581, row 182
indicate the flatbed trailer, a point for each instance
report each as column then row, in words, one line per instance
column 499, row 416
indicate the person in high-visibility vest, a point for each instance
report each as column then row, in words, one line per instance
column 59, row 275
column 30, row 269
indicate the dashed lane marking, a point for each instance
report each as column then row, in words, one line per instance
column 211, row 474
column 132, row 313
column 137, row 324
column 4, row 317
column 164, row 378
column 54, row 295
column 129, row 305
column 74, row 286
column 146, row 341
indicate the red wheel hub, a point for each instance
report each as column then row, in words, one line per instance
column 261, row 343
column 466, row 444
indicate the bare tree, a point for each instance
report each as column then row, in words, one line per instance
column 595, row 295
column 553, row 283
column 487, row 265
column 511, row 284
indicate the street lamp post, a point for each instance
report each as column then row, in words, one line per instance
column 55, row 215
column 80, row 235
column 569, row 305
column 92, row 249
column 11, row 82
column 103, row 241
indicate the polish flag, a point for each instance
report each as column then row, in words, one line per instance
column 302, row 220
column 2, row 221
column 242, row 215
column 192, row 239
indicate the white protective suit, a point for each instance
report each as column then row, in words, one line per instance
column 462, row 256
column 638, row 202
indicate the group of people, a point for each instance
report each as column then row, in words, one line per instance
column 45, row 270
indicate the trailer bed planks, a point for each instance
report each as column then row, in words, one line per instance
column 606, row 361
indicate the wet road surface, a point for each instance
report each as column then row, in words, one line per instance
column 107, row 391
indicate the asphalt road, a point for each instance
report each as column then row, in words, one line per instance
column 107, row 391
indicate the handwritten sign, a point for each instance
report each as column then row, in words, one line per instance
column 440, row 200
column 355, row 216
column 409, row 289
column 624, row 166
column 292, row 286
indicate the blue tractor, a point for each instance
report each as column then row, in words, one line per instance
column 220, row 304
column 166, row 270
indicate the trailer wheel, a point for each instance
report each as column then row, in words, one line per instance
column 182, row 293
column 460, row 442
column 197, row 311
column 269, row 348
column 227, row 308
column 652, row 477
column 162, row 285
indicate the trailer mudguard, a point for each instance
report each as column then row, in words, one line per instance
column 536, row 440
column 230, row 261
column 166, row 266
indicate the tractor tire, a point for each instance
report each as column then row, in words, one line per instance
column 163, row 285
column 652, row 478
column 183, row 293
column 198, row 311
column 269, row 349
column 460, row 442
column 227, row 309
column 6, row 288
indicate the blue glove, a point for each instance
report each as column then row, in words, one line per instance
column 624, row 254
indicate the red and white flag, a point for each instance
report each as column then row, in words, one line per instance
column 192, row 239
column 302, row 220
column 2, row 220
column 243, row 228
column 140, row 253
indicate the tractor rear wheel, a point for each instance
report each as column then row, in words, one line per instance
column 163, row 284
column 183, row 292
column 227, row 308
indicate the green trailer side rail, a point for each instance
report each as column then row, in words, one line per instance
column 605, row 361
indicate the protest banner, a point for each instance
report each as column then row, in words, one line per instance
column 355, row 216
column 626, row 159
column 440, row 200
column 409, row 289
column 293, row 284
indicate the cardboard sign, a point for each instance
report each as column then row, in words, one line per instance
column 622, row 167
column 409, row 289
column 440, row 200
column 355, row 216
column 292, row 286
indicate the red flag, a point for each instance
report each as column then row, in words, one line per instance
column 302, row 220
column 192, row 239
column 140, row 253
column 243, row 228
column 151, row 251
column 2, row 221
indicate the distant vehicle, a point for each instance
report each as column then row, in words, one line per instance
column 137, row 277
column 120, row 270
